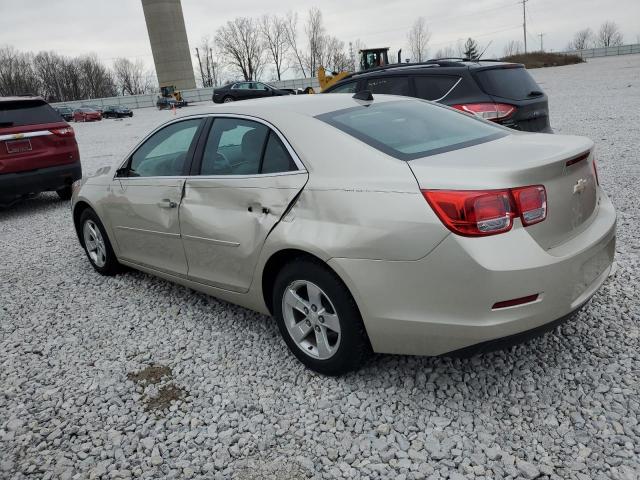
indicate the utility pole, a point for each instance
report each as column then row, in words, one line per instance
column 541, row 44
column 201, row 72
column 524, row 23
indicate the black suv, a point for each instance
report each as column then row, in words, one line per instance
column 502, row 92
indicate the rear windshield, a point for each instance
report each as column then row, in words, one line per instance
column 17, row 113
column 512, row 83
column 412, row 129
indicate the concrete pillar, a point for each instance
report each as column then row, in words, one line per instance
column 169, row 45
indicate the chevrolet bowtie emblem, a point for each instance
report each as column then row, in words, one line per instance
column 18, row 135
column 580, row 185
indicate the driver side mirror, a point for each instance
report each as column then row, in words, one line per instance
column 266, row 89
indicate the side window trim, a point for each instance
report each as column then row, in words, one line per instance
column 197, row 160
column 190, row 152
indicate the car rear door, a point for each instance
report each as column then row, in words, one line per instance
column 33, row 136
column 245, row 178
column 143, row 203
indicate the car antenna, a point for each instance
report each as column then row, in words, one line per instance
column 364, row 95
column 485, row 49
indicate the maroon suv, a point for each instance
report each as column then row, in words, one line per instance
column 38, row 149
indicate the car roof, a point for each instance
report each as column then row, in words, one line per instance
column 304, row 105
column 20, row 97
column 430, row 66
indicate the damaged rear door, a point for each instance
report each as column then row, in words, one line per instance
column 245, row 177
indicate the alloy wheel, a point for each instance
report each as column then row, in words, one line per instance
column 94, row 243
column 311, row 319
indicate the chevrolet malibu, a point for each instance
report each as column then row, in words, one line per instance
column 384, row 224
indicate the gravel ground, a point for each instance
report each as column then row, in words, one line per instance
column 135, row 377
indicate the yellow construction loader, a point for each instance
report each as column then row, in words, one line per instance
column 369, row 58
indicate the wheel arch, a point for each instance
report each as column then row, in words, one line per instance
column 278, row 260
column 79, row 207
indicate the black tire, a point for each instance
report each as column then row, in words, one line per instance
column 64, row 193
column 111, row 266
column 354, row 346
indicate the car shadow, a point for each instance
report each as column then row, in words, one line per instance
column 25, row 206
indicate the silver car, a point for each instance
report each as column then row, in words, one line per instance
column 390, row 224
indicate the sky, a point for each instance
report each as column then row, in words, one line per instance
column 116, row 28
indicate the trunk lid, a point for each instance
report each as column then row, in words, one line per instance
column 563, row 164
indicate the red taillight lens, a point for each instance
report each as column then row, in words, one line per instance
column 531, row 203
column 488, row 111
column 595, row 171
column 63, row 132
column 475, row 213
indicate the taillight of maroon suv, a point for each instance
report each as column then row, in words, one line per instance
column 38, row 149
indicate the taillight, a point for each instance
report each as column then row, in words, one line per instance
column 63, row 132
column 488, row 111
column 595, row 171
column 531, row 203
column 475, row 213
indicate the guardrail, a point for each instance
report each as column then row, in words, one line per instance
column 605, row 51
column 191, row 95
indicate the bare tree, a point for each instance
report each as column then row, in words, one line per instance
column 513, row 47
column 274, row 34
column 131, row 77
column 17, row 76
column 333, row 55
column 314, row 31
column 240, row 44
column 445, row 52
column 581, row 39
column 291, row 32
column 210, row 67
column 418, row 39
column 609, row 35
column 97, row 81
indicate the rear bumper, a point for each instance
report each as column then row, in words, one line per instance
column 41, row 180
column 443, row 302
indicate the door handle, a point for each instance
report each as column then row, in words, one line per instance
column 167, row 203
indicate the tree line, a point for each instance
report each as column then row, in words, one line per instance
column 59, row 78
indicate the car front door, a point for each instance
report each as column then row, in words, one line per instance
column 145, row 196
column 245, row 179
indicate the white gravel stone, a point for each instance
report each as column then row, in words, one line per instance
column 564, row 406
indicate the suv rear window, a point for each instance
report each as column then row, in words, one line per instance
column 412, row 129
column 17, row 113
column 513, row 83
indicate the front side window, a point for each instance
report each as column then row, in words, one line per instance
column 243, row 147
column 389, row 85
column 165, row 152
column 412, row 129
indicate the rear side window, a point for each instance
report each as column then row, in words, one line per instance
column 388, row 85
column 346, row 88
column 412, row 129
column 434, row 87
column 26, row 112
column 276, row 158
column 512, row 83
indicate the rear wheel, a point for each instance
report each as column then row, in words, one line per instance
column 96, row 244
column 64, row 193
column 318, row 318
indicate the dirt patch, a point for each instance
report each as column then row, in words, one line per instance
column 166, row 395
column 150, row 375
column 543, row 59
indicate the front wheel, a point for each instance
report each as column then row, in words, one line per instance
column 97, row 245
column 227, row 99
column 319, row 319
